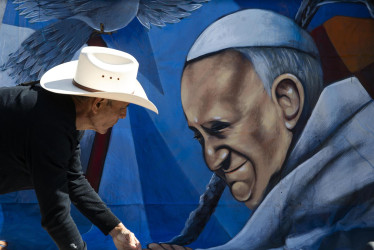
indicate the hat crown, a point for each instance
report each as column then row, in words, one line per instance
column 107, row 70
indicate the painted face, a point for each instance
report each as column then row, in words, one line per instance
column 107, row 115
column 241, row 130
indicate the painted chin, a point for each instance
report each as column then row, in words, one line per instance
column 242, row 181
column 242, row 191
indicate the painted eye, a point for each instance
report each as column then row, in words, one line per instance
column 198, row 137
column 217, row 127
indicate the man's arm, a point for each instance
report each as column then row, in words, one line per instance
column 49, row 155
column 90, row 204
column 84, row 197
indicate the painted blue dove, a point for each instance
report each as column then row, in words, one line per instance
column 76, row 21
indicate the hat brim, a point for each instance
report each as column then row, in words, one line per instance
column 59, row 80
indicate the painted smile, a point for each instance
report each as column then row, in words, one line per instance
column 235, row 169
column 241, row 180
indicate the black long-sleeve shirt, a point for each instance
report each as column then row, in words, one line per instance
column 39, row 148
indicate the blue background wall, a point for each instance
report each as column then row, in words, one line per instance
column 154, row 172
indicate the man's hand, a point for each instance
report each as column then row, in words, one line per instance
column 3, row 245
column 162, row 246
column 124, row 239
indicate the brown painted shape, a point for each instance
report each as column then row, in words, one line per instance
column 333, row 67
column 97, row 159
column 353, row 39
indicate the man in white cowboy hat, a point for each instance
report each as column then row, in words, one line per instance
column 39, row 139
column 298, row 155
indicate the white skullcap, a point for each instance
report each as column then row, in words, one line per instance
column 252, row 28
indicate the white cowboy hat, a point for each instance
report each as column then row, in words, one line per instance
column 99, row 72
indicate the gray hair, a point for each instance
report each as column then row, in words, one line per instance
column 270, row 62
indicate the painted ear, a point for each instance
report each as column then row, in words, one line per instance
column 288, row 94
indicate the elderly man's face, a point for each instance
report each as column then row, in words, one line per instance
column 241, row 130
column 106, row 114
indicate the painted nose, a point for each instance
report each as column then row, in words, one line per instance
column 215, row 158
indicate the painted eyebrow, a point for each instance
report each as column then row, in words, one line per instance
column 215, row 121
column 215, row 127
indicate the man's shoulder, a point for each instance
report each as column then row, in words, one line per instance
column 27, row 96
column 35, row 105
column 13, row 95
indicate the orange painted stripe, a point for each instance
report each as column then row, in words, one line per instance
column 353, row 39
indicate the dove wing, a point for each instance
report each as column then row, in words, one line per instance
column 160, row 12
column 46, row 48
column 45, row 10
